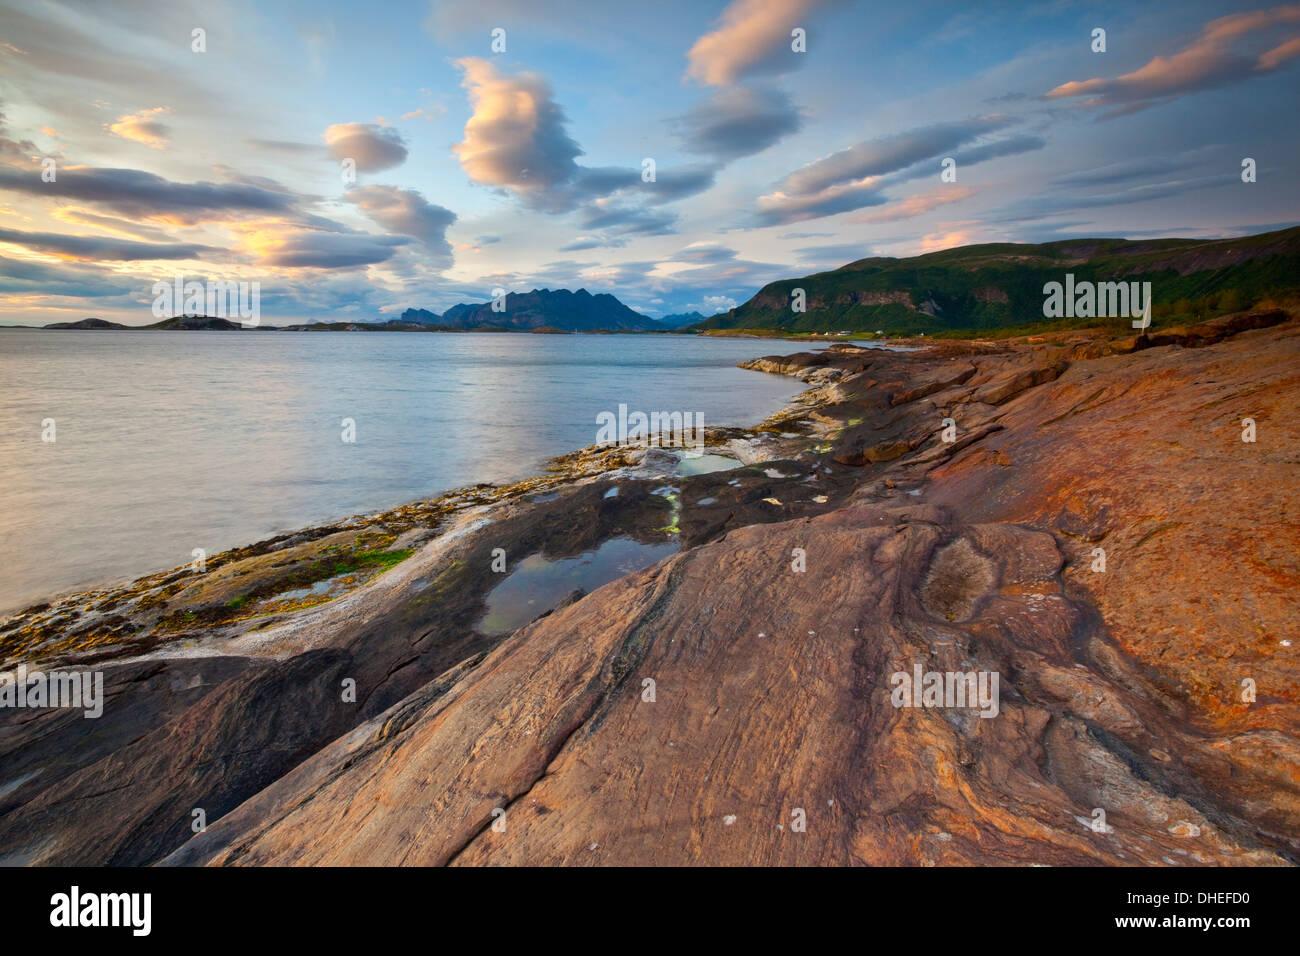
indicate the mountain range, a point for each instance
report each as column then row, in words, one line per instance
column 680, row 320
column 1000, row 285
column 541, row 308
column 967, row 289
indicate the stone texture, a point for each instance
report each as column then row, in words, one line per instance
column 760, row 710
column 1120, row 690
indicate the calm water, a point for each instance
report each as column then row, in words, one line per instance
column 537, row 584
column 170, row 441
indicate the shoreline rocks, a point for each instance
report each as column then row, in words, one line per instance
column 938, row 509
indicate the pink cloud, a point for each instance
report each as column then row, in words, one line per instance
column 750, row 35
column 1227, row 50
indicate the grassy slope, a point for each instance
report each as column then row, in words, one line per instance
column 999, row 286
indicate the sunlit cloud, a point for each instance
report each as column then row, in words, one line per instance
column 120, row 227
column 143, row 127
column 918, row 204
column 752, row 36
column 98, row 248
column 938, row 241
column 1229, row 49
column 285, row 244
column 516, row 138
column 144, row 195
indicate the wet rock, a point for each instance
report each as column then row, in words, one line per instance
column 773, row 694
column 772, row 641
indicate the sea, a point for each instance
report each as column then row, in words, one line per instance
column 122, row 452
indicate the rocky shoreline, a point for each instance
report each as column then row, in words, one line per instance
column 1121, row 690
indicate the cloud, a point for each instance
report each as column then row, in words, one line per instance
column 753, row 36
column 1122, row 172
column 143, row 127
column 590, row 242
column 713, row 304
column 516, row 140
column 702, row 269
column 101, row 248
column 1227, row 50
column 14, row 148
column 30, row 277
column 624, row 218
column 372, row 147
column 705, row 253
column 406, row 212
column 938, row 241
column 592, row 181
column 123, row 227
column 678, row 182
column 318, row 37
column 429, row 113
column 99, row 49
column 1039, row 207
column 286, row 146
column 279, row 245
column 888, row 154
column 1272, row 59
column 516, row 137
column 133, row 192
column 854, row 178
column 778, row 208
column 836, row 254
column 918, row 204
column 1008, row 98
column 739, row 121
column 1008, row 146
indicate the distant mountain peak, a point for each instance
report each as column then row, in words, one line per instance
column 541, row 308
column 680, row 319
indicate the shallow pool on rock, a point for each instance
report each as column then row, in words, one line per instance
column 706, row 465
column 538, row 584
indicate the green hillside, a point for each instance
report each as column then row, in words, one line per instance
column 1000, row 285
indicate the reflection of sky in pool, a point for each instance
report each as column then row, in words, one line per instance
column 537, row 584
column 706, row 464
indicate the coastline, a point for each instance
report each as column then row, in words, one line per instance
column 100, row 631
column 854, row 543
column 175, row 616
column 437, row 430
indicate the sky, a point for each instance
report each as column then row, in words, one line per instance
column 358, row 160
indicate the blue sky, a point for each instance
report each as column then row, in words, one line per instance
column 522, row 168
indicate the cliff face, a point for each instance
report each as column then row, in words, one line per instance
column 736, row 703
column 1001, row 284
